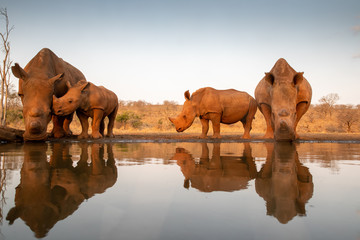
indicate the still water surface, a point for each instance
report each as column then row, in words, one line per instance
column 180, row 191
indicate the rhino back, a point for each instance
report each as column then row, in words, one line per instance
column 233, row 105
column 206, row 100
column 263, row 89
column 46, row 64
column 102, row 98
column 233, row 99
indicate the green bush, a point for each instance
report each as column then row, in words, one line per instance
column 129, row 117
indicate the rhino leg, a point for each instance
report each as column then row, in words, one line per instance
column 110, row 126
column 247, row 122
column 301, row 109
column 102, row 126
column 205, row 127
column 66, row 124
column 58, row 130
column 215, row 119
column 98, row 116
column 84, row 121
column 247, row 128
column 266, row 111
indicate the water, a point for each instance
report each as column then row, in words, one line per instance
column 180, row 191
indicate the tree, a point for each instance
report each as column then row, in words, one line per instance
column 327, row 103
column 5, row 66
column 348, row 116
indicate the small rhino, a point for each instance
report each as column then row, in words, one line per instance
column 218, row 106
column 89, row 100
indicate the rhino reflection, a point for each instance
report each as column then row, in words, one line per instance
column 284, row 183
column 220, row 173
column 50, row 191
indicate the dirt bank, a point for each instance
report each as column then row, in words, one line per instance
column 14, row 135
column 192, row 137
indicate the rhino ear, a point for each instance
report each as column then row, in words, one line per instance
column 83, row 86
column 187, row 95
column 269, row 78
column 56, row 78
column 13, row 214
column 19, row 72
column 68, row 84
column 298, row 78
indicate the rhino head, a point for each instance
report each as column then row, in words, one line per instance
column 36, row 92
column 185, row 119
column 284, row 83
column 68, row 103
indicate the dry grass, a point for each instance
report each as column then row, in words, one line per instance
column 154, row 119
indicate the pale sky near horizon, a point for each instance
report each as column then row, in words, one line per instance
column 156, row 50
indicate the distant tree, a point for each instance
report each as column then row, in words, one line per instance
column 5, row 66
column 14, row 100
column 309, row 118
column 170, row 105
column 123, row 118
column 348, row 116
column 122, row 103
column 327, row 103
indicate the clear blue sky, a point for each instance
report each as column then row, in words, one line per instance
column 155, row 50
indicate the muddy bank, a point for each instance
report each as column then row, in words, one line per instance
column 15, row 135
column 193, row 137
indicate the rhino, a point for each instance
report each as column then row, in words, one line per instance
column 283, row 97
column 218, row 106
column 45, row 75
column 218, row 173
column 51, row 188
column 284, row 182
column 92, row 101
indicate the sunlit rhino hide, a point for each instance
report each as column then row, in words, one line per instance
column 89, row 100
column 283, row 97
column 44, row 76
column 218, row 106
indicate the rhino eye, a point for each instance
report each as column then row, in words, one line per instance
column 184, row 117
column 70, row 101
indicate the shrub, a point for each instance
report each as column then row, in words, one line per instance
column 129, row 117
